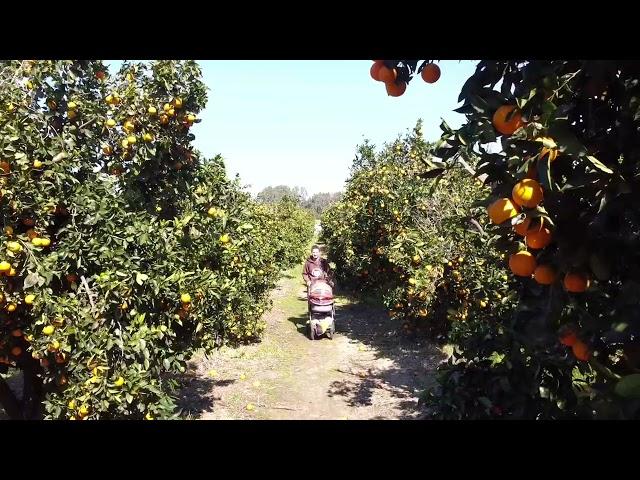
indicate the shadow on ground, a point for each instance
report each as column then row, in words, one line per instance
column 409, row 363
column 196, row 394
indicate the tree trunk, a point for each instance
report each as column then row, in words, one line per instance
column 32, row 394
column 9, row 401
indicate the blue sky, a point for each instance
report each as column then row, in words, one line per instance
column 298, row 122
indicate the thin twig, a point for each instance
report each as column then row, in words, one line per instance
column 86, row 123
column 279, row 408
column 89, row 294
column 478, row 226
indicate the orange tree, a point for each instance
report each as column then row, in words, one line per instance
column 419, row 245
column 123, row 249
column 563, row 199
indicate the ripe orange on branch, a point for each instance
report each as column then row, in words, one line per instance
column 507, row 119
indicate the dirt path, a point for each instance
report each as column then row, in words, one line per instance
column 368, row 371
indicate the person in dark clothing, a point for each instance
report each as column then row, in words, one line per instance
column 316, row 267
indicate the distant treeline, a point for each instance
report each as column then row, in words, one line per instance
column 316, row 203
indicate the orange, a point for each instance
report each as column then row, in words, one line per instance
column 522, row 264
column 576, row 282
column 504, row 126
column 544, row 274
column 538, row 238
column 387, row 75
column 522, row 227
column 568, row 338
column 430, row 73
column 16, row 351
column 501, row 210
column 375, row 70
column 581, row 351
column 527, row 193
column 396, row 89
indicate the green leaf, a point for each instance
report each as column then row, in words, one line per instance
column 479, row 104
column 548, row 108
column 448, row 350
column 567, row 142
column 544, row 173
column 431, row 173
column 598, row 164
column 629, row 386
column 445, row 127
column 522, row 102
column 31, row 280
column 59, row 156
column 141, row 277
column 496, row 358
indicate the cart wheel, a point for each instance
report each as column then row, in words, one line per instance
column 311, row 332
column 330, row 334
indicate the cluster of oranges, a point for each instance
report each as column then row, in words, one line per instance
column 520, row 209
column 133, row 126
column 12, row 302
column 395, row 86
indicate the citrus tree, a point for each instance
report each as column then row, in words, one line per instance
column 124, row 250
column 418, row 243
column 563, row 204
